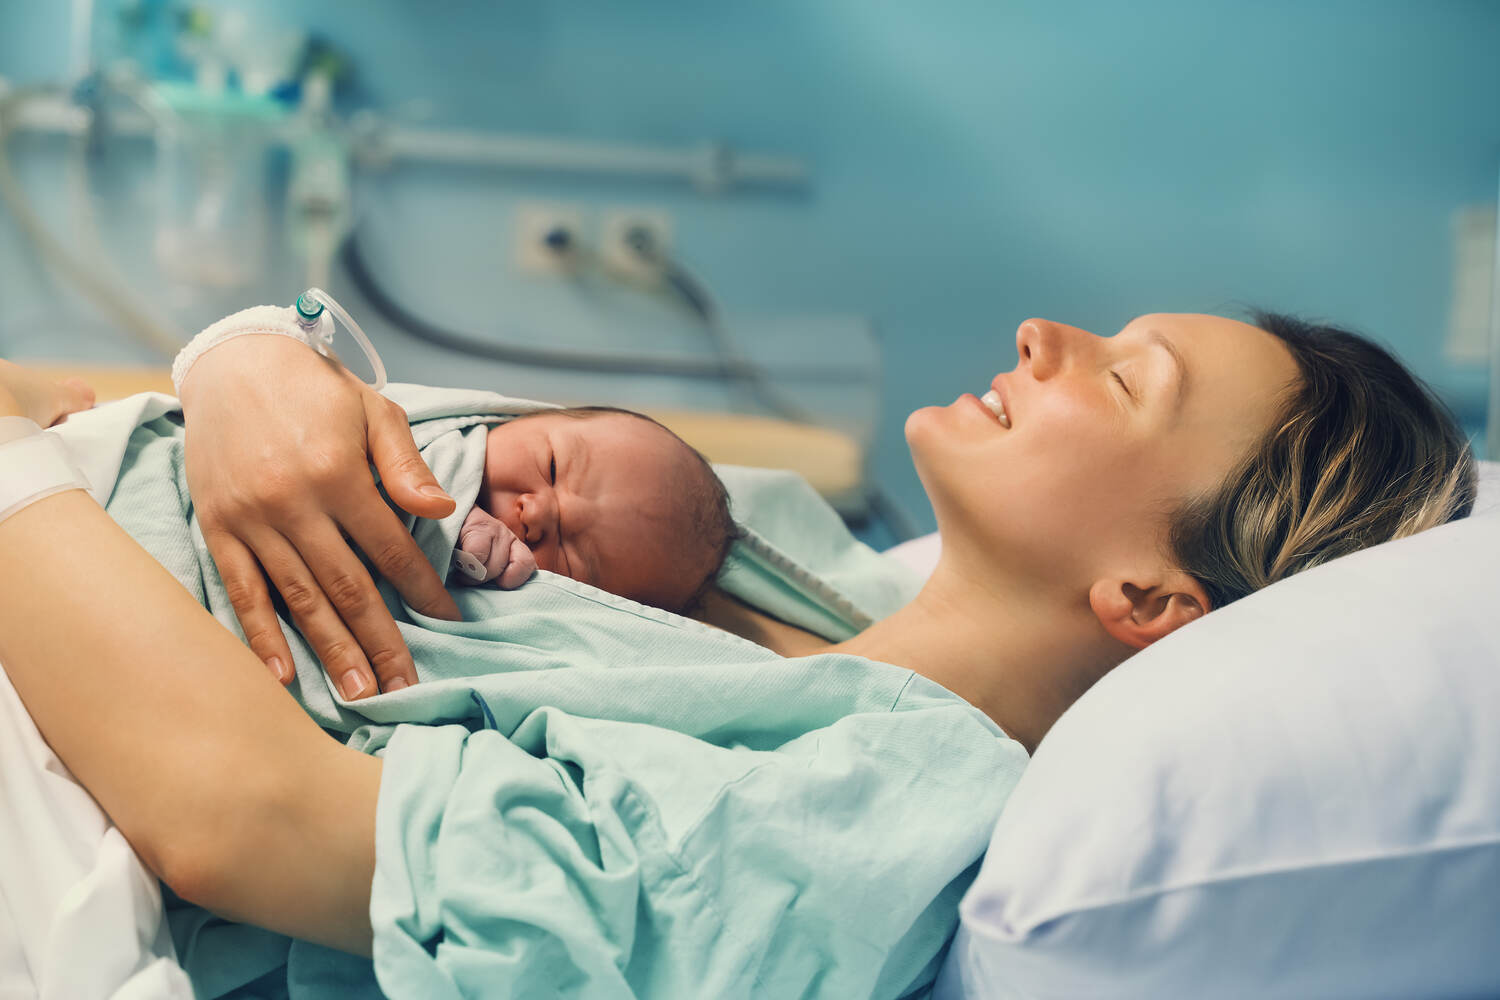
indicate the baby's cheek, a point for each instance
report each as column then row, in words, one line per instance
column 546, row 559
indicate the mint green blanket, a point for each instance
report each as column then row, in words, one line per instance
column 586, row 797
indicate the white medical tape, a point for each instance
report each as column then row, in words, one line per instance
column 34, row 467
column 278, row 320
column 12, row 428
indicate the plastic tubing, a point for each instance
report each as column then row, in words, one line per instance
column 324, row 300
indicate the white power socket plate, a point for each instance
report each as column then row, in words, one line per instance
column 619, row 257
column 533, row 221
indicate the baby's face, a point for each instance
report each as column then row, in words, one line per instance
column 594, row 498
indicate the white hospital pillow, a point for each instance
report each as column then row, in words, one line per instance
column 920, row 554
column 1489, row 488
column 1297, row 796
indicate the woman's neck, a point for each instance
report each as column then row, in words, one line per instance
column 1007, row 651
column 721, row 610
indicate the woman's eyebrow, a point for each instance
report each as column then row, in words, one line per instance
column 1160, row 339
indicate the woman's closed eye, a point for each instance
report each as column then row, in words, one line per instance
column 1123, row 384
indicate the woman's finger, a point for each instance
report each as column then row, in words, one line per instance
column 251, row 600
column 381, row 536
column 347, row 586
column 315, row 617
column 403, row 472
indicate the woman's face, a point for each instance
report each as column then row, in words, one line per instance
column 1106, row 436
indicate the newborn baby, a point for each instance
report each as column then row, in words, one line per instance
column 605, row 496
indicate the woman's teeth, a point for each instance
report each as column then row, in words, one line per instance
column 991, row 400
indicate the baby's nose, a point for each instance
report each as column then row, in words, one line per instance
column 536, row 514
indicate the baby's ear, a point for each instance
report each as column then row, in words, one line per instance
column 1138, row 615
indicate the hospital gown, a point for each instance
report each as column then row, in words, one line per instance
column 587, row 797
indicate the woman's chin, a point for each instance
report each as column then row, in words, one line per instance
column 919, row 438
column 920, row 424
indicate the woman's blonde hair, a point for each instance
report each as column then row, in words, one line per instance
column 1361, row 453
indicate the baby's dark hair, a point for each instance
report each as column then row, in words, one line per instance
column 709, row 528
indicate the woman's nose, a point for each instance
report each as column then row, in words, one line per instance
column 538, row 517
column 1044, row 346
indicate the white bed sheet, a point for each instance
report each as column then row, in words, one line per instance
column 80, row 916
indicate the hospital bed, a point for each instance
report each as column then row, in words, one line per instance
column 1296, row 796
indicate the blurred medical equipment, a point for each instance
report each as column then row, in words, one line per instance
column 212, row 167
column 255, row 92
column 213, row 175
column 211, row 155
column 90, row 271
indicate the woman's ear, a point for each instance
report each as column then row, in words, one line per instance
column 1139, row 615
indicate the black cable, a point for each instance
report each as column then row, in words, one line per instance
column 701, row 301
column 723, row 369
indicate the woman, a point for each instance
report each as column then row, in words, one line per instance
column 1111, row 491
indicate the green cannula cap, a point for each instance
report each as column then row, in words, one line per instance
column 308, row 308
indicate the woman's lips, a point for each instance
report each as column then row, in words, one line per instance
column 980, row 406
column 995, row 404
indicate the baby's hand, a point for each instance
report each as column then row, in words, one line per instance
column 488, row 550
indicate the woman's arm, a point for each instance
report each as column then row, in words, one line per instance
column 225, row 787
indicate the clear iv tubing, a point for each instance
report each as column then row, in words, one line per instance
column 310, row 305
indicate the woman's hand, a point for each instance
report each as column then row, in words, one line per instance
column 24, row 393
column 279, row 446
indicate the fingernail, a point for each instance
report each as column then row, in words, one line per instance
column 277, row 667
column 395, row 684
column 432, row 491
column 352, row 685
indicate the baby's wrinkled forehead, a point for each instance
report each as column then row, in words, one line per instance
column 619, row 450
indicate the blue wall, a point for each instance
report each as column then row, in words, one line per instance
column 975, row 164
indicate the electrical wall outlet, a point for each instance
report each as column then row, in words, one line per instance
column 547, row 238
column 635, row 243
